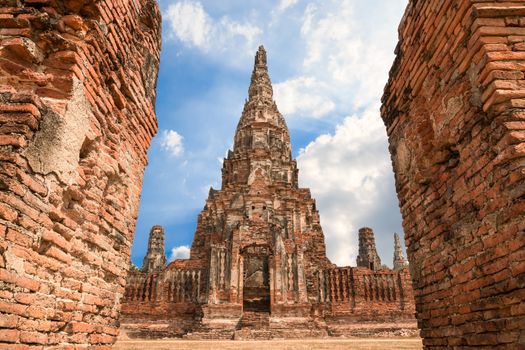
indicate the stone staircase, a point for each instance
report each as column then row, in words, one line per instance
column 217, row 329
column 297, row 328
column 206, row 333
column 254, row 320
column 253, row 325
column 259, row 325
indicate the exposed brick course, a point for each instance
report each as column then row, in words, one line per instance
column 77, row 92
column 454, row 109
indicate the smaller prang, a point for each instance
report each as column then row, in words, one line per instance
column 155, row 259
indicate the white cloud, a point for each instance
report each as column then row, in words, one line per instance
column 172, row 142
column 285, row 4
column 347, row 57
column 189, row 22
column 346, row 172
column 304, row 96
column 181, row 252
column 230, row 30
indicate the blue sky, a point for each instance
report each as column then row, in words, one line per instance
column 328, row 61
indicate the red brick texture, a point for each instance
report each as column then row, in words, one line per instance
column 77, row 93
column 454, row 109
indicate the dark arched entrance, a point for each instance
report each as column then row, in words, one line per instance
column 256, row 280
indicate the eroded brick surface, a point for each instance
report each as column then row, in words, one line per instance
column 258, row 266
column 454, row 108
column 77, row 89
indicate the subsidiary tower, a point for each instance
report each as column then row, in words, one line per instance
column 155, row 259
column 368, row 256
column 399, row 259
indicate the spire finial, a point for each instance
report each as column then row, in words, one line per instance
column 260, row 57
column 260, row 85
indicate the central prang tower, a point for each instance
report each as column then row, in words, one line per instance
column 260, row 233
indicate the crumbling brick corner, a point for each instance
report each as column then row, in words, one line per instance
column 77, row 94
column 454, row 109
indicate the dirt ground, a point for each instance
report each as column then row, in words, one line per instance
column 306, row 344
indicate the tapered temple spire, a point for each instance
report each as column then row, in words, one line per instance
column 368, row 256
column 260, row 86
column 260, row 56
column 155, row 259
column 262, row 136
column 399, row 258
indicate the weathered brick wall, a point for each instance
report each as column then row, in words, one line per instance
column 163, row 304
column 364, row 292
column 77, row 93
column 350, row 301
column 454, row 108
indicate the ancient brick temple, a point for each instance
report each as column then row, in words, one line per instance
column 258, row 265
column 454, row 109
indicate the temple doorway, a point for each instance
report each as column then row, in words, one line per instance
column 256, row 287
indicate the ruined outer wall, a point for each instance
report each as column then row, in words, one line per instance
column 350, row 301
column 163, row 304
column 77, row 92
column 365, row 295
column 454, row 108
